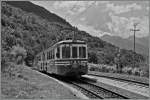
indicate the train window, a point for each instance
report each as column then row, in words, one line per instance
column 74, row 52
column 66, row 52
column 46, row 68
column 47, row 55
column 39, row 58
column 43, row 57
column 82, row 52
column 58, row 52
column 50, row 54
column 53, row 54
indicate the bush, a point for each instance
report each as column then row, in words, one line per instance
column 5, row 59
column 92, row 69
column 12, row 70
column 19, row 54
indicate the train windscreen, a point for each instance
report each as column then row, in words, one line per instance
column 66, row 52
column 82, row 52
column 58, row 52
column 74, row 52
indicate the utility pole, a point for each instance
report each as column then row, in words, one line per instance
column 134, row 30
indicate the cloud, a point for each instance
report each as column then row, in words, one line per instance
column 109, row 16
column 147, row 8
column 72, row 7
column 110, row 27
column 144, row 27
column 134, row 6
column 97, row 3
column 117, row 9
column 90, row 29
column 83, row 19
column 120, row 26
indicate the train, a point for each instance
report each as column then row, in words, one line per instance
column 65, row 58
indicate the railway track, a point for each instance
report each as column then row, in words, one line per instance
column 91, row 90
column 131, row 89
column 96, row 91
column 141, row 84
column 88, row 93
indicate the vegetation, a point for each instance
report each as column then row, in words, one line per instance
column 33, row 32
column 143, row 72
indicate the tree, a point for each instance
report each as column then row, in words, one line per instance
column 92, row 57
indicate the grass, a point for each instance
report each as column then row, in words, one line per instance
column 32, row 85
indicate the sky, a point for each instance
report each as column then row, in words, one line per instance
column 98, row 18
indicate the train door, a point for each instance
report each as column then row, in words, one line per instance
column 43, row 61
column 50, row 62
column 53, row 62
column 57, row 56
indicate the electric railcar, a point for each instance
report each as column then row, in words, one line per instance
column 66, row 58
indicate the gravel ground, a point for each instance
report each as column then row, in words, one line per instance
column 34, row 86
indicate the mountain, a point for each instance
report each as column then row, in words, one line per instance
column 141, row 44
column 143, row 40
column 38, row 10
column 36, row 33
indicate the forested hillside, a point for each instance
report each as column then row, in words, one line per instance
column 141, row 44
column 35, row 32
column 38, row 10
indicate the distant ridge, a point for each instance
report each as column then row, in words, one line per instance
column 141, row 43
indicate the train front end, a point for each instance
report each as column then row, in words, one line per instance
column 71, row 58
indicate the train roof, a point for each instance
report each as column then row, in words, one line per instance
column 65, row 42
column 70, row 41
